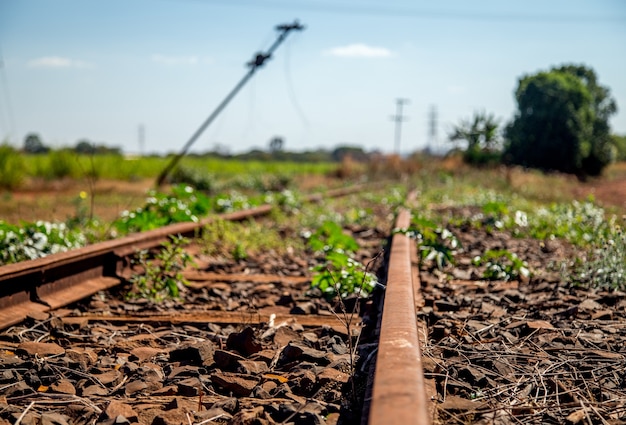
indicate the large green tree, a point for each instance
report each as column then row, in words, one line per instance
column 562, row 122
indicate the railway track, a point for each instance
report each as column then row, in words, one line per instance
column 35, row 293
column 248, row 347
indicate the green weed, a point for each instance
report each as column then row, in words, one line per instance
column 182, row 205
column 162, row 276
column 502, row 265
column 12, row 168
column 29, row 241
column 605, row 265
column 437, row 245
column 339, row 274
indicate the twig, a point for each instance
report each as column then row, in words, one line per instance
column 19, row 420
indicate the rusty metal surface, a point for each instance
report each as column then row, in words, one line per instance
column 220, row 317
column 45, row 283
column 398, row 393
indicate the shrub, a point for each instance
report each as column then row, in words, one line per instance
column 62, row 163
column 12, row 169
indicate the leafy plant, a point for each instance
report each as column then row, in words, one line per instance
column 502, row 264
column 339, row 273
column 183, row 204
column 330, row 237
column 29, row 241
column 12, row 168
column 342, row 275
column 605, row 266
column 163, row 275
column 437, row 245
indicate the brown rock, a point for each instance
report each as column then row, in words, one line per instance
column 63, row 386
column 171, row 417
column 236, row 383
column 54, row 419
column 41, row 349
column 252, row 368
column 244, row 342
column 109, row 377
column 117, row 408
column 254, row 416
column 189, row 387
column 199, row 354
column 304, row 383
column 330, row 375
column 285, row 335
column 135, row 386
column 82, row 356
column 144, row 353
column 94, row 390
column 300, row 352
column 227, row 360
column 266, row 356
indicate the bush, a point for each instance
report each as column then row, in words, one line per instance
column 62, row 164
column 12, row 169
column 562, row 122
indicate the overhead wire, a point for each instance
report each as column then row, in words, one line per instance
column 7, row 97
column 289, row 83
column 411, row 12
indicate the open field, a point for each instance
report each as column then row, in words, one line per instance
column 125, row 187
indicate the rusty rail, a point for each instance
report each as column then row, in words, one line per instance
column 59, row 279
column 399, row 393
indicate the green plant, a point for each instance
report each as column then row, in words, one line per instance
column 183, row 204
column 330, row 237
column 339, row 273
column 562, row 122
column 62, row 163
column 501, row 264
column 12, row 168
column 29, row 241
column 578, row 222
column 162, row 276
column 605, row 265
column 437, row 245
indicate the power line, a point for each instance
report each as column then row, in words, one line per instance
column 409, row 12
column 257, row 61
column 7, row 96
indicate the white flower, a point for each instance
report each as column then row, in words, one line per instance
column 521, row 219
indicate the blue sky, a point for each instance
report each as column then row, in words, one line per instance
column 99, row 70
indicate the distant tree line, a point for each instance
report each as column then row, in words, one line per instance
column 34, row 145
column 276, row 152
column 561, row 124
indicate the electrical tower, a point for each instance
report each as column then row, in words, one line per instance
column 433, row 142
column 398, row 118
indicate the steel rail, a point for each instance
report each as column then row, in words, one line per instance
column 398, row 390
column 57, row 280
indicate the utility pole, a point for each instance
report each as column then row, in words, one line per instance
column 141, row 138
column 398, row 118
column 257, row 61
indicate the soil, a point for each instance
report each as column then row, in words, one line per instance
column 533, row 351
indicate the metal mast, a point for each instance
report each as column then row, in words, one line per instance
column 257, row 61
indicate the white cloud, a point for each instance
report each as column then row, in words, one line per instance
column 178, row 60
column 58, row 62
column 359, row 50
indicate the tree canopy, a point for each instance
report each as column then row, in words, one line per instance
column 33, row 144
column 562, row 122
